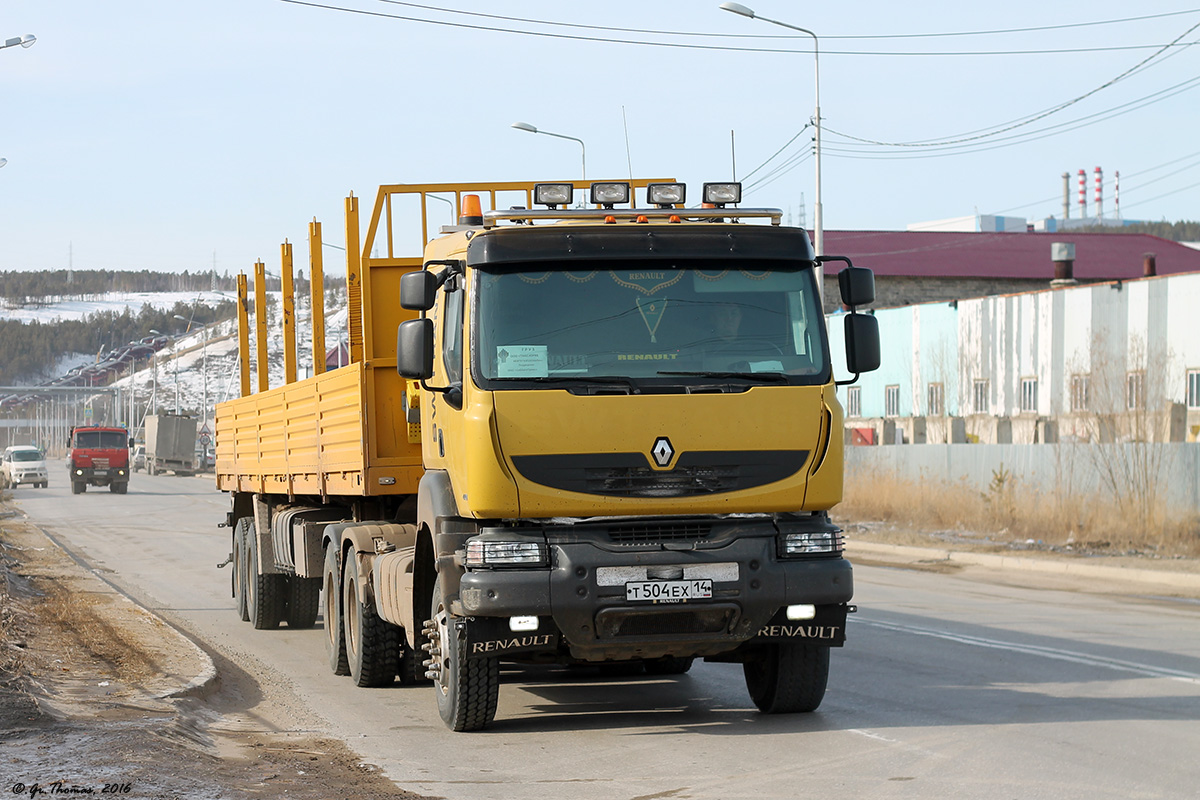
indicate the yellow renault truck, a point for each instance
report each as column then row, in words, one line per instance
column 582, row 430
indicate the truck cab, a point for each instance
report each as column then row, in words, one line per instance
column 98, row 456
column 631, row 442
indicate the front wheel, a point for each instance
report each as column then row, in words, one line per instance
column 787, row 678
column 468, row 690
column 118, row 488
column 241, row 569
column 78, row 487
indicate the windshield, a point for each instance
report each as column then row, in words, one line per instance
column 100, row 440
column 27, row 455
column 651, row 323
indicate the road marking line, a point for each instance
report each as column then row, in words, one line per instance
column 1046, row 652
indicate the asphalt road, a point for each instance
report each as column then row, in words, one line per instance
column 948, row 687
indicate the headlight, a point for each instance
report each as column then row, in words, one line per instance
column 721, row 193
column 810, row 543
column 496, row 553
column 553, row 194
column 609, row 194
column 666, row 194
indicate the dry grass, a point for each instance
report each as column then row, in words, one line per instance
column 1011, row 510
column 88, row 634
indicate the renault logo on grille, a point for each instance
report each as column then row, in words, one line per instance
column 662, row 451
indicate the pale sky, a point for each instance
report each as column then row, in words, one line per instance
column 144, row 134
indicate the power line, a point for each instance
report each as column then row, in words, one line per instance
column 725, row 48
column 699, row 34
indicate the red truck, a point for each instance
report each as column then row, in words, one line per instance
column 99, row 456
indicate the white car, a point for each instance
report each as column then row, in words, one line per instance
column 23, row 464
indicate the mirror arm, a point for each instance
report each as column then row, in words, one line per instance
column 847, row 383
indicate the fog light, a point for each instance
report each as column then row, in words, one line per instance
column 666, row 194
column 517, row 624
column 801, row 611
column 609, row 194
column 721, row 193
column 553, row 194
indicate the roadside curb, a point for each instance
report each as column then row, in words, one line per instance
column 1178, row 580
column 206, row 672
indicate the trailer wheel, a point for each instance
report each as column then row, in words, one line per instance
column 304, row 600
column 468, row 690
column 335, row 643
column 265, row 598
column 372, row 645
column 240, row 567
column 788, row 677
column 671, row 665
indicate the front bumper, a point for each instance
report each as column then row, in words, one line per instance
column 36, row 476
column 99, row 477
column 582, row 610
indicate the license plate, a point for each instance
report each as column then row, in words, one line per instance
column 100, row 472
column 669, row 591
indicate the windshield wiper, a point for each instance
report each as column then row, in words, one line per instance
column 617, row 381
column 777, row 377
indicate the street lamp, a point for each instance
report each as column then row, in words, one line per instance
column 525, row 126
column 25, row 41
column 818, row 221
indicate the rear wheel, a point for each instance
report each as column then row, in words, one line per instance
column 241, row 568
column 265, row 598
column 372, row 645
column 788, row 677
column 335, row 644
column 468, row 690
column 304, row 600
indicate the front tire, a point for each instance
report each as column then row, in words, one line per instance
column 118, row 488
column 468, row 690
column 78, row 487
column 787, row 678
column 372, row 644
column 241, row 568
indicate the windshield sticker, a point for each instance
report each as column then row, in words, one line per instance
column 521, row 361
column 647, row 281
column 652, row 313
column 580, row 277
column 545, row 276
column 766, row 366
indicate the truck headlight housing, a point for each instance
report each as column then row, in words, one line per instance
column 609, row 194
column 553, row 194
column 486, row 552
column 810, row 543
column 666, row 194
column 721, row 193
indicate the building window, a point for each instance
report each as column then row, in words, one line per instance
column 854, row 401
column 891, row 401
column 1081, row 391
column 1029, row 401
column 1135, row 390
column 981, row 396
column 936, row 405
column 1193, row 388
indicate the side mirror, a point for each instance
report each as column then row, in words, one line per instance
column 862, row 342
column 418, row 290
column 130, row 442
column 414, row 346
column 857, row 285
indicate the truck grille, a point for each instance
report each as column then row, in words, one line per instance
column 100, row 463
column 613, row 623
column 653, row 533
column 630, row 475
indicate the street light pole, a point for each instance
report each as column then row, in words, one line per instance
column 818, row 217
column 25, row 41
column 525, row 126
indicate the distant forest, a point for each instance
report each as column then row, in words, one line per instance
column 1181, row 231
column 29, row 349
